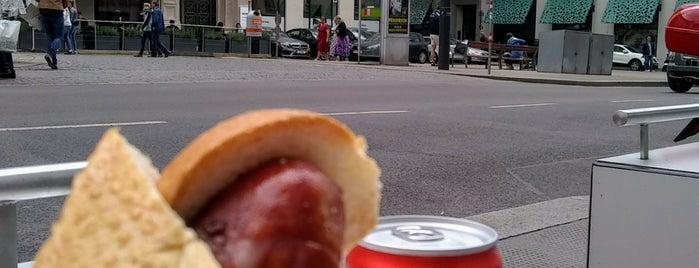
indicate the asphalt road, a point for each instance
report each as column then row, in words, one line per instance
column 447, row 145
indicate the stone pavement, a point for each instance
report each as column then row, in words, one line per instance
column 618, row 78
column 548, row 234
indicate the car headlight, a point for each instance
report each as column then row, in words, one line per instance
column 285, row 44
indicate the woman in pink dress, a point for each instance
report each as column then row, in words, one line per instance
column 323, row 39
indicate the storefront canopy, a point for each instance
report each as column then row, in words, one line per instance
column 509, row 11
column 418, row 10
column 566, row 11
column 682, row 2
column 630, row 11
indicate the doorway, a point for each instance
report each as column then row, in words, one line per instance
column 469, row 22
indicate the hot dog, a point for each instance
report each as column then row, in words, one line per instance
column 268, row 188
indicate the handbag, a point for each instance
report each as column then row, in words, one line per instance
column 9, row 35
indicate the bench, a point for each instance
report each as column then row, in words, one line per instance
column 529, row 53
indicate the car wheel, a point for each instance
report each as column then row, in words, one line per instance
column 422, row 58
column 635, row 65
column 679, row 85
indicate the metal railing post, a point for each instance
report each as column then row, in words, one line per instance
column 644, row 141
column 8, row 232
column 33, row 39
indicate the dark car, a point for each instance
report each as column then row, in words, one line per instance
column 682, row 71
column 289, row 47
column 310, row 36
column 418, row 51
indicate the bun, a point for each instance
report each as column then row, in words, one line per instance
column 238, row 145
column 115, row 217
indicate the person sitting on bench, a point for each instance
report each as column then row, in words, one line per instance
column 513, row 41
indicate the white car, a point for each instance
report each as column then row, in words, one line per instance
column 628, row 56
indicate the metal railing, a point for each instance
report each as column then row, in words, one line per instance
column 26, row 183
column 126, row 36
column 645, row 116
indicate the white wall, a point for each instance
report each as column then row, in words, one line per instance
column 540, row 27
column 597, row 25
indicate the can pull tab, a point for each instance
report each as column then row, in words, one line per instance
column 416, row 233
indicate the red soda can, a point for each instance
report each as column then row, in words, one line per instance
column 414, row 241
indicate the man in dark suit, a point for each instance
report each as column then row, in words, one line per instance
column 648, row 53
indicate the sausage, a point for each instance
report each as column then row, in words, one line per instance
column 257, row 221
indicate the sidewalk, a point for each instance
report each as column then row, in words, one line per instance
column 548, row 234
column 618, row 78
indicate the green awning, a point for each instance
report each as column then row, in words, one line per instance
column 509, row 11
column 682, row 2
column 418, row 10
column 630, row 11
column 566, row 11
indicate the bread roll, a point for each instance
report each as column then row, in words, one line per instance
column 115, row 217
column 240, row 144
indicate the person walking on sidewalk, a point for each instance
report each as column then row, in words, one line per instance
column 648, row 54
column 51, row 16
column 343, row 45
column 433, row 28
column 73, row 28
column 323, row 37
column 157, row 27
column 145, row 28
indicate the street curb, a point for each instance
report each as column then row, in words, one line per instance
column 534, row 217
column 608, row 83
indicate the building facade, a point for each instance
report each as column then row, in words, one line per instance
column 628, row 20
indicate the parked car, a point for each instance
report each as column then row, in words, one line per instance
column 371, row 48
column 459, row 47
column 682, row 71
column 310, row 36
column 365, row 34
column 289, row 47
column 628, row 56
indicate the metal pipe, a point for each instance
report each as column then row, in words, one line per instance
column 644, row 142
column 655, row 114
column 24, row 183
column 8, row 232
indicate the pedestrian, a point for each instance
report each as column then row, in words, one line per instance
column 145, row 28
column 343, row 45
column 513, row 41
column 10, row 10
column 51, row 16
column 157, row 27
column 66, row 31
column 433, row 28
column 483, row 38
column 238, row 27
column 73, row 30
column 323, row 39
column 648, row 54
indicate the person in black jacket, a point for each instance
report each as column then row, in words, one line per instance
column 648, row 53
column 433, row 28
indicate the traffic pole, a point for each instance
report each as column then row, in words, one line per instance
column 490, row 35
column 444, row 30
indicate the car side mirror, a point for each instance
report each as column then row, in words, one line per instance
column 626, row 52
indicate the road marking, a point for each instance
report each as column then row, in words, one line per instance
column 621, row 101
column 522, row 105
column 367, row 112
column 83, row 126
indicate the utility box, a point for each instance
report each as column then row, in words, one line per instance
column 575, row 52
column 645, row 213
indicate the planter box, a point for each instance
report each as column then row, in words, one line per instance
column 107, row 42
column 185, row 44
column 214, row 45
column 265, row 47
column 239, row 46
column 133, row 43
column 25, row 41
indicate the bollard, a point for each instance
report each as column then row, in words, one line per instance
column 8, row 232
